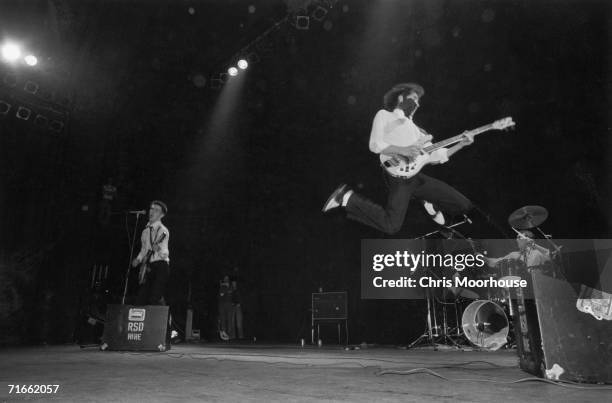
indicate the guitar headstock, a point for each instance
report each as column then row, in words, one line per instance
column 504, row 123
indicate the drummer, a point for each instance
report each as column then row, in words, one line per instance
column 530, row 253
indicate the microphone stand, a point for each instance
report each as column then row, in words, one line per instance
column 127, row 273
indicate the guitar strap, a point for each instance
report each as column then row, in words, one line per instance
column 145, row 267
column 151, row 237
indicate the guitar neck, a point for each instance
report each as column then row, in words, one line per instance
column 457, row 138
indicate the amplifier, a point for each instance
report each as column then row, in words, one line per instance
column 575, row 341
column 527, row 336
column 329, row 305
column 136, row 328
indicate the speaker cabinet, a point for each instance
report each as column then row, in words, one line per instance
column 136, row 328
column 577, row 345
column 329, row 305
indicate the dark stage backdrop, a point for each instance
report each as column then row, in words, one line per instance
column 245, row 169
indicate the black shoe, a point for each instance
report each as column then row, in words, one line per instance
column 335, row 200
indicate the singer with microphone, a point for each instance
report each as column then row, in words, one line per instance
column 154, row 257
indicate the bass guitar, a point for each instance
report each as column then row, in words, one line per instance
column 404, row 167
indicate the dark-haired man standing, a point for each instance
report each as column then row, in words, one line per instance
column 154, row 257
column 395, row 133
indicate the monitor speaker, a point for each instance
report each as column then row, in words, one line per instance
column 136, row 328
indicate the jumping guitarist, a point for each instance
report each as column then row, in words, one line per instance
column 395, row 136
column 154, row 257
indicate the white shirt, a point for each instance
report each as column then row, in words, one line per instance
column 155, row 231
column 387, row 131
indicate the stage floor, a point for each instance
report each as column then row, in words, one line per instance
column 257, row 372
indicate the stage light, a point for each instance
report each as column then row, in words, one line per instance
column 253, row 58
column 243, row 64
column 44, row 94
column 23, row 113
column 41, row 121
column 56, row 126
column 31, row 87
column 199, row 80
column 10, row 52
column 31, row 60
column 319, row 13
column 232, row 71
column 488, row 15
column 302, row 22
column 5, row 107
column 63, row 101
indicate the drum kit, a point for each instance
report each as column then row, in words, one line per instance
column 485, row 316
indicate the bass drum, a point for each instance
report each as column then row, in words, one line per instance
column 485, row 324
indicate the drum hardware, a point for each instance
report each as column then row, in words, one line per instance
column 442, row 334
column 451, row 336
column 427, row 338
column 460, row 292
column 529, row 217
column 485, row 324
column 510, row 270
column 447, row 230
column 436, row 333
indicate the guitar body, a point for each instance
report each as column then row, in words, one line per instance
column 144, row 268
column 400, row 166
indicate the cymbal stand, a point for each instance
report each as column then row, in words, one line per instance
column 427, row 338
column 446, row 338
column 451, row 335
column 548, row 238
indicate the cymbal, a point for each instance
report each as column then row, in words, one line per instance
column 528, row 217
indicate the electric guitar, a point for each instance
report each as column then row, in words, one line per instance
column 404, row 167
column 144, row 266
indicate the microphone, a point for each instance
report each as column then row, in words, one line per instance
column 137, row 212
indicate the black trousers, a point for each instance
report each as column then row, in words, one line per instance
column 390, row 218
column 154, row 287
